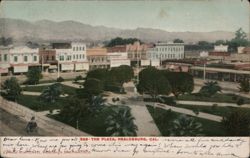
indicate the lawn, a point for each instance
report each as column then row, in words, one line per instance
column 164, row 118
column 34, row 103
column 89, row 124
column 219, row 97
column 215, row 110
column 66, row 89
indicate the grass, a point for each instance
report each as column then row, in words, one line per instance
column 164, row 118
column 219, row 97
column 34, row 103
column 218, row 110
column 89, row 124
column 66, row 89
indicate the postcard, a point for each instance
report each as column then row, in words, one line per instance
column 127, row 78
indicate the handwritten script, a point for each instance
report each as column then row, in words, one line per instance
column 235, row 147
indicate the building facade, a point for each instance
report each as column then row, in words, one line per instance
column 98, row 58
column 221, row 48
column 23, row 57
column 165, row 51
column 118, row 58
column 71, row 56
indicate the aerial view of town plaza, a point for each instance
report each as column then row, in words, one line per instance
column 124, row 68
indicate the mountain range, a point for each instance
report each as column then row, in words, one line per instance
column 46, row 30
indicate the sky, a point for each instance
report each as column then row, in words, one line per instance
column 168, row 15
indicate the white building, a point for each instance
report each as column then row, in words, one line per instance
column 21, row 58
column 165, row 51
column 221, row 48
column 5, row 59
column 118, row 58
column 71, row 56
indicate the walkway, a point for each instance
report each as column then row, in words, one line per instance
column 187, row 112
column 70, row 84
column 203, row 103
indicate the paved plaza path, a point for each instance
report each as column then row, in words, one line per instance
column 205, row 103
column 186, row 111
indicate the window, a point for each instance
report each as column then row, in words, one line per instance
column 0, row 57
column 61, row 58
column 5, row 57
column 25, row 58
column 35, row 58
column 74, row 56
column 73, row 48
column 53, row 57
column 83, row 48
column 69, row 57
column 15, row 59
column 76, row 48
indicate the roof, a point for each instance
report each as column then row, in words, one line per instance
column 97, row 52
column 246, row 49
column 220, row 70
column 61, row 45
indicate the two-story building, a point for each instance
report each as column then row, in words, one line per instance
column 71, row 56
column 118, row 56
column 23, row 57
column 165, row 51
column 98, row 58
column 5, row 59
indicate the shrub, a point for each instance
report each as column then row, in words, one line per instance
column 196, row 111
column 214, row 107
column 59, row 79
column 78, row 78
column 240, row 101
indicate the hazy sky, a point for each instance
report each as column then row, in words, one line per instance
column 169, row 15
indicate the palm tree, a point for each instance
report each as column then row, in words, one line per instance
column 121, row 123
column 237, row 123
column 97, row 103
column 210, row 88
column 51, row 93
column 186, row 126
column 74, row 109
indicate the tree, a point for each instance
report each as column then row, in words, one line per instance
column 181, row 82
column 186, row 126
column 219, row 42
column 121, row 41
column 34, row 75
column 51, row 93
column 93, row 86
column 97, row 104
column 12, row 89
column 121, row 123
column 121, row 74
column 210, row 88
column 178, row 40
column 153, row 82
column 244, row 85
column 74, row 109
column 100, row 74
column 237, row 123
column 6, row 41
column 240, row 39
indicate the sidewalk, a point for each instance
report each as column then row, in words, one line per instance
column 187, row 112
column 203, row 103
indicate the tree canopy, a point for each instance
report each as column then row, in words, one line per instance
column 121, row 41
column 181, row 82
column 153, row 82
column 34, row 75
column 177, row 40
column 12, row 89
column 6, row 41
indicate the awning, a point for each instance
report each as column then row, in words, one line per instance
column 19, row 69
column 53, row 67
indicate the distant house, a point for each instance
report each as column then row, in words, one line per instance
column 221, row 48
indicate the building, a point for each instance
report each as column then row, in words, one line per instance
column 23, row 57
column 118, row 56
column 166, row 51
column 137, row 51
column 47, row 59
column 71, row 56
column 221, row 48
column 98, row 58
column 5, row 59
